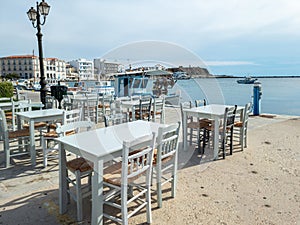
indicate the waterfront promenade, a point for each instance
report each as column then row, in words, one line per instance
column 257, row 186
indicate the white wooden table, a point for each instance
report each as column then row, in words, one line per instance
column 98, row 146
column 214, row 112
column 38, row 116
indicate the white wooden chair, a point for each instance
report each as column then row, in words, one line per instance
column 134, row 174
column 15, row 142
column 49, row 145
column 50, row 102
column 79, row 167
column 227, row 129
column 200, row 102
column 166, row 159
column 241, row 127
column 143, row 111
column 158, row 109
column 114, row 119
column 104, row 106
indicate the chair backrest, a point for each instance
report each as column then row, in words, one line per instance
column 200, row 102
column 3, row 126
column 116, row 106
column 74, row 127
column 167, row 142
column 140, row 161
column 230, row 116
column 145, row 108
column 228, row 121
column 50, row 102
column 5, row 99
column 246, row 113
column 114, row 119
column 159, row 108
column 71, row 116
column 19, row 106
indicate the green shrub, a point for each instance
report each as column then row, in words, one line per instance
column 6, row 89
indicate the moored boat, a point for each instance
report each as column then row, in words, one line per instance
column 247, row 80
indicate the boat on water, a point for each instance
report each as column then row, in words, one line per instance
column 104, row 87
column 156, row 83
column 247, row 80
column 179, row 75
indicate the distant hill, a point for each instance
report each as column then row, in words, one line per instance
column 192, row 71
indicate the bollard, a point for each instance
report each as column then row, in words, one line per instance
column 257, row 92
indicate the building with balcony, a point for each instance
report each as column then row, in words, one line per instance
column 85, row 68
column 28, row 67
column 103, row 67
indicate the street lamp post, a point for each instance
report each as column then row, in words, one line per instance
column 34, row 16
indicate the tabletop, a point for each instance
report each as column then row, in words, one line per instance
column 40, row 113
column 100, row 142
column 212, row 109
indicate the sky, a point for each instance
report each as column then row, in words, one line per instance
column 229, row 37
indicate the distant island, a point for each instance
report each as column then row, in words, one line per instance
column 199, row 72
column 263, row 76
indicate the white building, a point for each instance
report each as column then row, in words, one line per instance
column 84, row 68
column 28, row 67
column 103, row 67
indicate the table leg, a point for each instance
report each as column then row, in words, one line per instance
column 184, row 131
column 32, row 143
column 63, row 200
column 216, row 138
column 97, row 193
column 133, row 113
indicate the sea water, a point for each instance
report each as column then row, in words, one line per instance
column 279, row 95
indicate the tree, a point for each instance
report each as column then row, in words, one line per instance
column 12, row 76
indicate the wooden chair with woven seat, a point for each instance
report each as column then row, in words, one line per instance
column 50, row 102
column 165, row 159
column 49, row 145
column 225, row 131
column 104, row 105
column 205, row 123
column 114, row 119
column 143, row 111
column 15, row 142
column 79, row 167
column 241, row 127
column 134, row 174
column 158, row 109
column 199, row 102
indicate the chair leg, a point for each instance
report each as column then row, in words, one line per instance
column 78, row 195
column 158, row 186
column 223, row 147
column 45, row 153
column 231, row 140
column 148, row 207
column 174, row 181
column 7, row 153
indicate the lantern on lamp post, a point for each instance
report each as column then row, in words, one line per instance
column 34, row 15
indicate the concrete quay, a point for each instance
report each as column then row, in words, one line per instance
column 29, row 195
